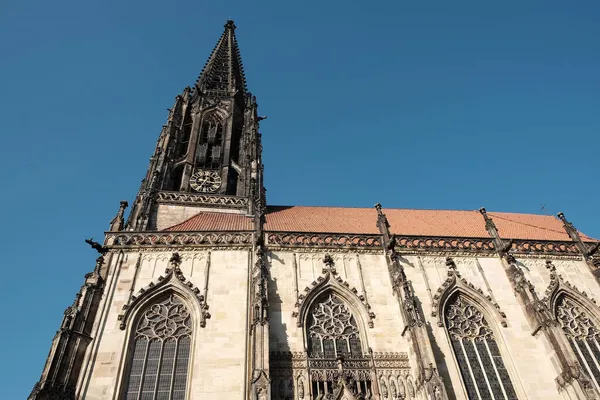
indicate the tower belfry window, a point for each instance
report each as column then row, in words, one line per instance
column 477, row 353
column 208, row 154
column 583, row 336
column 158, row 366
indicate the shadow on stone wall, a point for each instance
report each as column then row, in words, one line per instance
column 440, row 358
column 278, row 336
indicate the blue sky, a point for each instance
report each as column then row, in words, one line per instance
column 432, row 104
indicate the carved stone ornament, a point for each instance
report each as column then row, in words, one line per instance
column 323, row 240
column 140, row 239
column 455, row 283
column 173, row 280
column 558, row 286
column 330, row 280
column 198, row 199
column 418, row 244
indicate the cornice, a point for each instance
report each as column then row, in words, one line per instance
column 194, row 239
column 341, row 242
column 323, row 240
column 198, row 199
column 417, row 244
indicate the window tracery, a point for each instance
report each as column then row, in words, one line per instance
column 582, row 334
column 332, row 330
column 161, row 350
column 477, row 353
column 208, row 153
column 333, row 334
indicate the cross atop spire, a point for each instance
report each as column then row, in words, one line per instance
column 223, row 72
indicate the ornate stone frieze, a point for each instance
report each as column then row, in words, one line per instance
column 417, row 244
column 198, row 199
column 173, row 278
column 391, row 360
column 405, row 244
column 388, row 364
column 322, row 240
column 538, row 246
column 140, row 239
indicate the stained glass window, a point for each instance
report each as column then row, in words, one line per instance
column 332, row 329
column 333, row 332
column 583, row 336
column 479, row 360
column 160, row 353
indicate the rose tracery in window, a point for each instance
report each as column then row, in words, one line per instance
column 332, row 332
column 332, row 329
column 582, row 334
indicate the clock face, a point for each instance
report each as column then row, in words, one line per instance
column 205, row 181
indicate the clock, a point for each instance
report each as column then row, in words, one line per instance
column 205, row 181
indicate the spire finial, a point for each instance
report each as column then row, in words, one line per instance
column 230, row 25
column 223, row 72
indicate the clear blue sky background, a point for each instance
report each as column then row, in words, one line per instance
column 420, row 104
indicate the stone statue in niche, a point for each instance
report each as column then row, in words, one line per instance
column 261, row 394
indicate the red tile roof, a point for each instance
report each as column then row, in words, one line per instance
column 446, row 223
column 210, row 221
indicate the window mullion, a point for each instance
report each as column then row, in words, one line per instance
column 469, row 368
column 586, row 365
column 595, row 361
column 158, row 368
column 598, row 347
column 495, row 369
column 171, row 387
column 139, row 396
column 485, row 373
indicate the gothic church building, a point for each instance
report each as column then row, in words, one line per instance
column 207, row 292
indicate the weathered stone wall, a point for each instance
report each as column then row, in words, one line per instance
column 385, row 336
column 218, row 350
column 529, row 359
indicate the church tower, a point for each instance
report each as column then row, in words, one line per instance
column 208, row 153
column 140, row 328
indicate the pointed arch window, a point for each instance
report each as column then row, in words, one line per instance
column 582, row 334
column 332, row 329
column 332, row 333
column 160, row 353
column 208, row 153
column 477, row 353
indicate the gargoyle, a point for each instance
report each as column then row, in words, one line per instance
column 97, row 246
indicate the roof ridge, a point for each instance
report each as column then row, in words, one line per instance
column 406, row 209
column 531, row 225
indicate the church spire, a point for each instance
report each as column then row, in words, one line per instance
column 223, row 72
column 209, row 152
